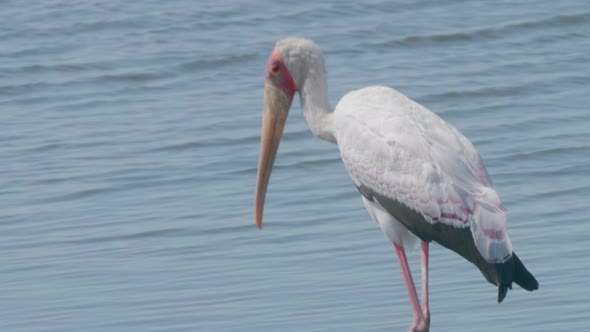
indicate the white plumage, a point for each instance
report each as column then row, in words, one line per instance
column 391, row 227
column 398, row 148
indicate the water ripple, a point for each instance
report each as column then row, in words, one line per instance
column 132, row 77
column 549, row 153
column 486, row 33
column 158, row 233
column 215, row 62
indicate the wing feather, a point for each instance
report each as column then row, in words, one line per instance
column 398, row 148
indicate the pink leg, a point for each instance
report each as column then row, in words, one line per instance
column 425, row 308
column 419, row 324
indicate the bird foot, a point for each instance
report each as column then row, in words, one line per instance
column 420, row 325
column 426, row 315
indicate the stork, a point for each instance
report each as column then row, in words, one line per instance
column 418, row 176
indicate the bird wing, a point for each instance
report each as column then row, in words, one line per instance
column 395, row 147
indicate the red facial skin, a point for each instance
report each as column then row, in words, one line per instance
column 276, row 73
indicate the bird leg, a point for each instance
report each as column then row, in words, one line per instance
column 425, row 308
column 419, row 324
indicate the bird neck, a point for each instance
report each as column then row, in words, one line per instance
column 316, row 108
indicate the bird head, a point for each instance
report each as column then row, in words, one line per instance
column 286, row 69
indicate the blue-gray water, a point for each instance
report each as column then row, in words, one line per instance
column 129, row 136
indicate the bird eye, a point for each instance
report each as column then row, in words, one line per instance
column 275, row 69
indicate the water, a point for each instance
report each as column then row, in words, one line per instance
column 129, row 137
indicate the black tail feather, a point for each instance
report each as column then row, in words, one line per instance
column 522, row 276
column 514, row 272
column 502, row 290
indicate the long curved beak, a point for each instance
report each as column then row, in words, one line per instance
column 276, row 108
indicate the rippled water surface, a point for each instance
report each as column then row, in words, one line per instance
column 129, row 136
